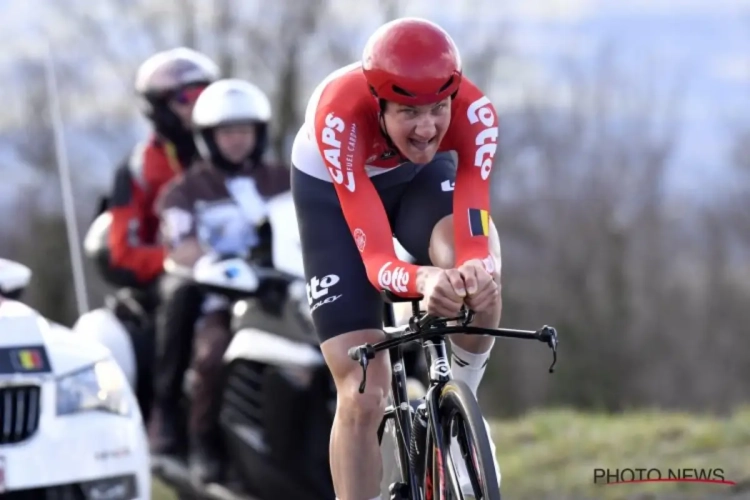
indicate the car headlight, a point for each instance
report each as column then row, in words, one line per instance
column 100, row 387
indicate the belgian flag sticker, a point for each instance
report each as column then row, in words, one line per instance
column 28, row 359
column 479, row 222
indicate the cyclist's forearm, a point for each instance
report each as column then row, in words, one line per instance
column 386, row 271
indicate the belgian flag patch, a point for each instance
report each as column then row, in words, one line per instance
column 479, row 222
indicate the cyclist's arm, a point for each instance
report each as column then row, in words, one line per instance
column 474, row 135
column 341, row 141
column 127, row 251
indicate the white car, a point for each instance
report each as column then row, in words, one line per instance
column 70, row 426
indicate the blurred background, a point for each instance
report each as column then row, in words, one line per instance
column 622, row 188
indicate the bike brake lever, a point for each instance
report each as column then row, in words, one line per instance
column 362, row 354
column 554, row 360
column 467, row 316
column 550, row 335
column 363, row 362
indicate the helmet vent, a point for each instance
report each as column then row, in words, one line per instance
column 401, row 91
column 447, row 84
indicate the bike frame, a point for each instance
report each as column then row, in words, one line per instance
column 431, row 333
column 402, row 412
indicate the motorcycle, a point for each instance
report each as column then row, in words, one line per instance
column 126, row 321
column 274, row 370
column 273, row 373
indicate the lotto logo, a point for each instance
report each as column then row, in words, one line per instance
column 447, row 185
column 394, row 279
column 481, row 112
column 318, row 289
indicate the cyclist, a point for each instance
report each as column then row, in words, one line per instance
column 168, row 83
column 384, row 144
column 217, row 207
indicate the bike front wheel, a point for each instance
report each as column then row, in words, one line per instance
column 461, row 421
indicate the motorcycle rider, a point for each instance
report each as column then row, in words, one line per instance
column 167, row 84
column 217, row 207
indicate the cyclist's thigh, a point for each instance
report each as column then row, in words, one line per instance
column 340, row 295
column 426, row 200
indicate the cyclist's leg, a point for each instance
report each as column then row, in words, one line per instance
column 347, row 311
column 470, row 353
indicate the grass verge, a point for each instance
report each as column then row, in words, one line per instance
column 552, row 454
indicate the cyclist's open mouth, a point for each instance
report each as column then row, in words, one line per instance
column 421, row 144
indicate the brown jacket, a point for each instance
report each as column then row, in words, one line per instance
column 220, row 209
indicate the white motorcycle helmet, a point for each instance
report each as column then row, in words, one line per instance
column 228, row 102
column 165, row 73
column 169, row 70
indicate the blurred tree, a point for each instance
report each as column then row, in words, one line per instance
column 40, row 240
column 649, row 291
column 579, row 211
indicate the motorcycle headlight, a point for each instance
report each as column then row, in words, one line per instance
column 100, row 387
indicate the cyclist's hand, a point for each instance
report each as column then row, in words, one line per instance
column 444, row 292
column 481, row 290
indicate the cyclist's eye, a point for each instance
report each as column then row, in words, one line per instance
column 439, row 108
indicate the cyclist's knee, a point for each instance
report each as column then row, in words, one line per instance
column 366, row 409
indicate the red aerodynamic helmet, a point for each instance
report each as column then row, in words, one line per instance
column 411, row 61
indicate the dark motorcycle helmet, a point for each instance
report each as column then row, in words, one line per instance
column 165, row 76
column 230, row 102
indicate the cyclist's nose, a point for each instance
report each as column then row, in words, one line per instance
column 426, row 127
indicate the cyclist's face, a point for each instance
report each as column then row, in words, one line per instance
column 235, row 142
column 417, row 130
